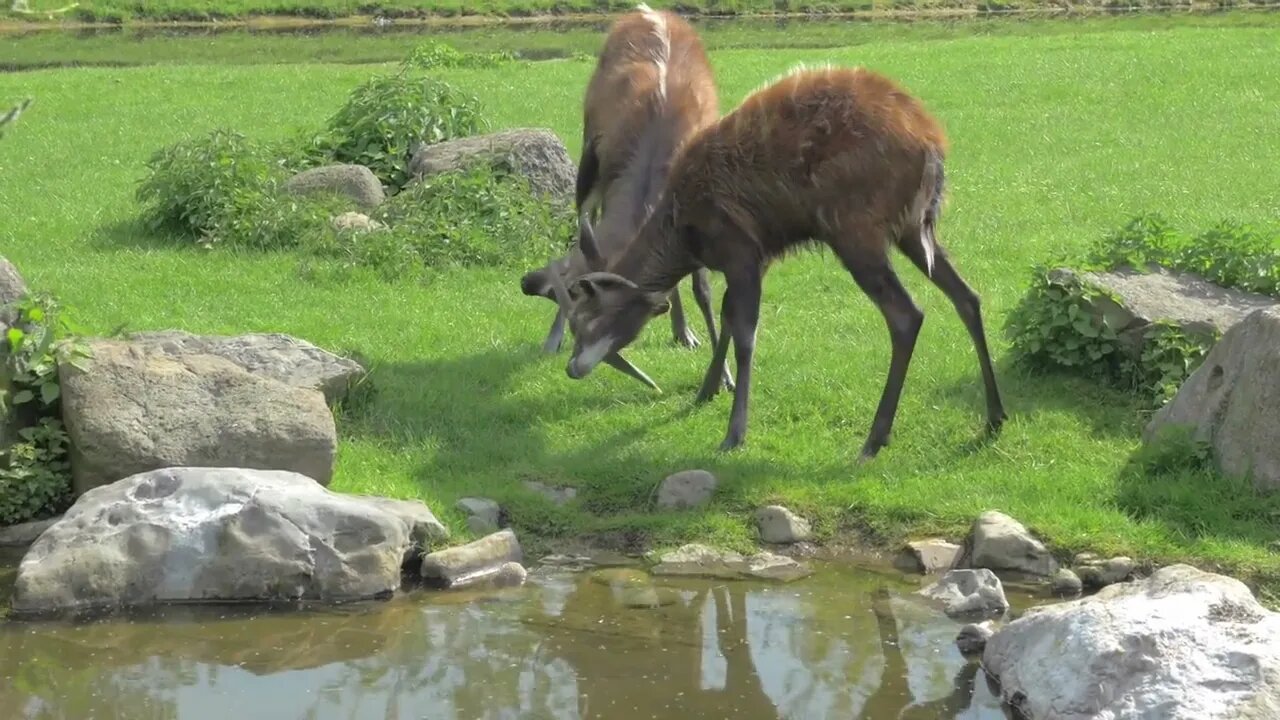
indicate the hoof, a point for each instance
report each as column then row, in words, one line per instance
column 687, row 340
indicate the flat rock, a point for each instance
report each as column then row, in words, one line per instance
column 536, row 154
column 1066, row 582
column 1101, row 573
column 279, row 357
column 702, row 561
column 558, row 495
column 1230, row 401
column 23, row 534
column 356, row 182
column 620, row 577
column 648, row 596
column 779, row 526
column 972, row 638
column 1181, row 644
column 137, row 409
column 968, row 592
column 473, row 563
column 197, row 534
column 927, row 556
column 355, row 222
column 1186, row 300
column 686, row 489
column 998, row 542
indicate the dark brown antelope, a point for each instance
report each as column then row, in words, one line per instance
column 841, row 157
column 651, row 90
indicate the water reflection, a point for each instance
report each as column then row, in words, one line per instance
column 839, row 645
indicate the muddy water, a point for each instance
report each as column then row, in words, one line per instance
column 841, row 644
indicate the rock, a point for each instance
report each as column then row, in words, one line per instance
column 12, row 290
column 534, row 153
column 701, row 561
column 927, row 556
column 353, row 181
column 647, row 596
column 998, row 542
column 1178, row 645
column 1066, row 582
column 136, row 409
column 686, row 489
column 1229, row 402
column 968, row 592
column 557, row 495
column 972, row 638
column 1101, row 573
column 768, row 566
column 509, row 574
column 780, row 526
column 425, row 531
column 279, row 357
column 620, row 577
column 482, row 514
column 1085, row 558
column 23, row 534
column 1192, row 303
column 474, row 563
column 355, row 222
column 217, row 535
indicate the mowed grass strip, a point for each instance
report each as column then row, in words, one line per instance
column 1056, row 140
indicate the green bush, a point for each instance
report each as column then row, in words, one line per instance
column 480, row 216
column 35, row 471
column 385, row 119
column 1053, row 327
column 432, row 55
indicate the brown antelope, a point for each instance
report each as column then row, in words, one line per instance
column 651, row 90
column 842, row 157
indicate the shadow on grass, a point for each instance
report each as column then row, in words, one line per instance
column 1178, row 487
column 133, row 234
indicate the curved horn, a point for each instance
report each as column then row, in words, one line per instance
column 557, row 286
column 587, row 241
column 621, row 364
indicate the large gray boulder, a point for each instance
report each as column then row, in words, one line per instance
column 1230, row 401
column 1192, row 303
column 215, row 534
column 998, row 542
column 534, row 153
column 1181, row 644
column 136, row 409
column 962, row 593
column 272, row 355
column 354, row 181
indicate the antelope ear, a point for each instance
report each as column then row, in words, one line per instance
column 593, row 283
column 661, row 307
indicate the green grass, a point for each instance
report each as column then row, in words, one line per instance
column 117, row 11
column 148, row 45
column 1056, row 140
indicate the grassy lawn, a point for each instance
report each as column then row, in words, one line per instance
column 1056, row 139
column 116, row 11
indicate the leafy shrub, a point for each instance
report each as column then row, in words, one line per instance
column 225, row 187
column 1053, row 327
column 474, row 217
column 432, row 55
column 35, row 472
column 385, row 119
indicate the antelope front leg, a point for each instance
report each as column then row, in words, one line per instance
column 743, row 296
column 556, row 335
column 679, row 324
column 702, row 294
column 711, row 381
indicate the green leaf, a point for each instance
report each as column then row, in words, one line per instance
column 23, row 396
column 49, row 392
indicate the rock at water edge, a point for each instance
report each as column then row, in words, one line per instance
column 1066, row 582
column 23, row 534
column 968, row 592
column 473, row 563
column 213, row 534
column 927, row 556
column 998, row 542
column 972, row 638
column 1182, row 644
column 779, row 526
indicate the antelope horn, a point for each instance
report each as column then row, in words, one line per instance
column 621, row 364
column 557, row 286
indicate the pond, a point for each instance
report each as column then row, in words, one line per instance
column 843, row 643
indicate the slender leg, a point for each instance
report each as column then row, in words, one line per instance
column 556, row 335
column 711, row 381
column 872, row 273
column 588, row 173
column 702, row 294
column 744, row 288
column 968, row 306
column 679, row 325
